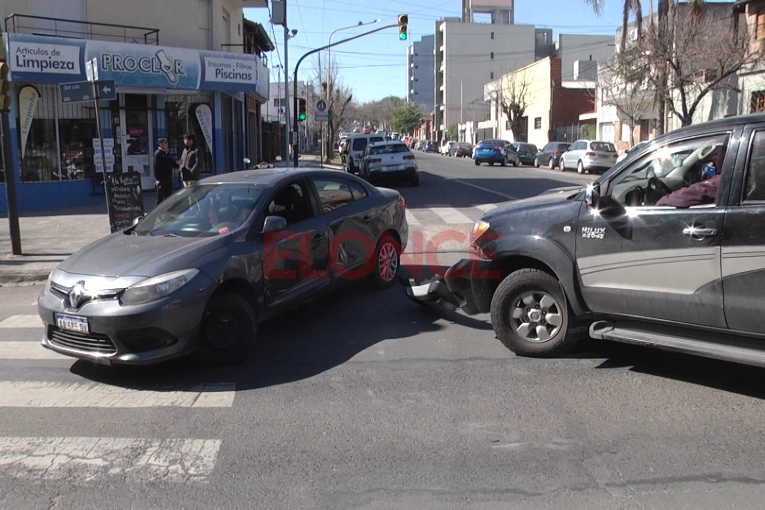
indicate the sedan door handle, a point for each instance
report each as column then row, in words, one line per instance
column 699, row 233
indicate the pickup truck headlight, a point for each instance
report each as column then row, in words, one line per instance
column 157, row 287
column 479, row 230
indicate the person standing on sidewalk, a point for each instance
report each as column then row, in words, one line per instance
column 189, row 162
column 163, row 170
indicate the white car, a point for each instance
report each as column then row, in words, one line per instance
column 589, row 155
column 446, row 147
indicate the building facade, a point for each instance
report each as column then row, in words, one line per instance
column 420, row 73
column 183, row 71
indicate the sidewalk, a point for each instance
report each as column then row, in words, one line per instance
column 48, row 237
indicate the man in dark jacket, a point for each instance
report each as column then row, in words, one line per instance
column 189, row 163
column 163, row 170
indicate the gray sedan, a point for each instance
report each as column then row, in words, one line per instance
column 203, row 269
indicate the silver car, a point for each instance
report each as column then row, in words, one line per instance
column 389, row 161
column 207, row 265
column 589, row 156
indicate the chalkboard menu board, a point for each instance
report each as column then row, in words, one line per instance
column 125, row 199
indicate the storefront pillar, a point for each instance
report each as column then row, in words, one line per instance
column 218, row 137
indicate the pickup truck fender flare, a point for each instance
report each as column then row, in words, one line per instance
column 549, row 254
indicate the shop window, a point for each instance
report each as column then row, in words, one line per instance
column 180, row 118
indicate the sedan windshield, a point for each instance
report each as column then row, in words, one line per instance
column 203, row 210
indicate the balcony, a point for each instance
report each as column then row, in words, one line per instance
column 75, row 29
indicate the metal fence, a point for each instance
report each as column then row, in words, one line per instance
column 567, row 133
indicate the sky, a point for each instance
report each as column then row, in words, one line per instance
column 374, row 67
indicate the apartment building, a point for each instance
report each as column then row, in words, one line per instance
column 190, row 66
column 420, row 73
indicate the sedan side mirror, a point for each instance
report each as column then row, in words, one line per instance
column 592, row 194
column 274, row 224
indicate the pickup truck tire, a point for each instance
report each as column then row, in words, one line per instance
column 530, row 314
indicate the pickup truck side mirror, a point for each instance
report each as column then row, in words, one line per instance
column 274, row 224
column 592, row 194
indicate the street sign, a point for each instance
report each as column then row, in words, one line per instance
column 91, row 70
column 106, row 90
column 76, row 92
column 322, row 110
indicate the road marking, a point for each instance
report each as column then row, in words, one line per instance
column 486, row 189
column 410, row 219
column 29, row 351
column 57, row 394
column 92, row 459
column 22, row 321
column 450, row 214
column 486, row 207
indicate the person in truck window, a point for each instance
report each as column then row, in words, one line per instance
column 702, row 192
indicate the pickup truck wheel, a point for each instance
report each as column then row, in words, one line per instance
column 530, row 314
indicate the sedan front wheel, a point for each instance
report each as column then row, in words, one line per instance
column 228, row 330
column 387, row 262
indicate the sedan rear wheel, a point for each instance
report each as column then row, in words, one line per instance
column 536, row 162
column 477, row 162
column 228, row 330
column 387, row 262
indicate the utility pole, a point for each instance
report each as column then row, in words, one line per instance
column 7, row 146
column 286, row 90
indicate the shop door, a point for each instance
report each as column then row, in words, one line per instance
column 136, row 146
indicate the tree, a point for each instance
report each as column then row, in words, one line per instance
column 703, row 52
column 340, row 101
column 453, row 132
column 406, row 118
column 514, row 99
column 622, row 85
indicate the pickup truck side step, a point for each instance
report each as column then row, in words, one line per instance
column 700, row 343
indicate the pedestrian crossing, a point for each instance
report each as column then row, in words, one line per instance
column 436, row 214
column 29, row 390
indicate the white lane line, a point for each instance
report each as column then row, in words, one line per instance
column 22, row 321
column 450, row 214
column 57, row 394
column 410, row 219
column 486, row 207
column 485, row 189
column 29, row 351
column 92, row 459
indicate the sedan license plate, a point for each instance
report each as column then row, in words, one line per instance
column 389, row 168
column 72, row 323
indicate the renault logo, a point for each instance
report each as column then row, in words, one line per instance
column 77, row 295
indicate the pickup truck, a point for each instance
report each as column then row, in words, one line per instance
column 666, row 249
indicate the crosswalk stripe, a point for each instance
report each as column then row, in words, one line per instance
column 92, row 459
column 56, row 394
column 486, row 207
column 28, row 351
column 21, row 321
column 451, row 215
column 410, row 219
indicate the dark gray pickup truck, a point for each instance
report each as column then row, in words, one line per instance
column 666, row 249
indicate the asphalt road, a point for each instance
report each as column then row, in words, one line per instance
column 366, row 400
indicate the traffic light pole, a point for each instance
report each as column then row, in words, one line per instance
column 296, row 145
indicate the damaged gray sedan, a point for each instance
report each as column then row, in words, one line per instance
column 203, row 269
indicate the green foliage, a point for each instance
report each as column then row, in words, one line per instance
column 452, row 132
column 587, row 132
column 406, row 118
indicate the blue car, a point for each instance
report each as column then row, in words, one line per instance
column 495, row 151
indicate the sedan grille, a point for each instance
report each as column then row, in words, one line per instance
column 88, row 342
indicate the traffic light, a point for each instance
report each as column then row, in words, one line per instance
column 403, row 21
column 301, row 109
column 5, row 85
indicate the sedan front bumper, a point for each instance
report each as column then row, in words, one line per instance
column 469, row 284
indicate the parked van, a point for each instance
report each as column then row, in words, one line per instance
column 356, row 146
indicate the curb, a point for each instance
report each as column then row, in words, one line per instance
column 23, row 277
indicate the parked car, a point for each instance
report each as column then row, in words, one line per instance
column 445, row 147
column 495, row 151
column 588, row 156
column 527, row 152
column 389, row 161
column 430, row 146
column 356, row 146
column 462, row 150
column 550, row 154
column 614, row 260
column 632, row 149
column 207, row 265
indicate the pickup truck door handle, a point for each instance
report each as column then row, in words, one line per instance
column 699, row 233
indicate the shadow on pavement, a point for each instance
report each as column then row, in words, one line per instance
column 298, row 345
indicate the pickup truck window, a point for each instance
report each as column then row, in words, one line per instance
column 668, row 169
column 754, row 191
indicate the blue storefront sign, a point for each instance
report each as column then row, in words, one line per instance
column 55, row 60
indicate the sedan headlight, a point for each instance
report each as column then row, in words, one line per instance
column 157, row 287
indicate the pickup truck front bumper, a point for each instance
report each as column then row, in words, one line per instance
column 469, row 284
